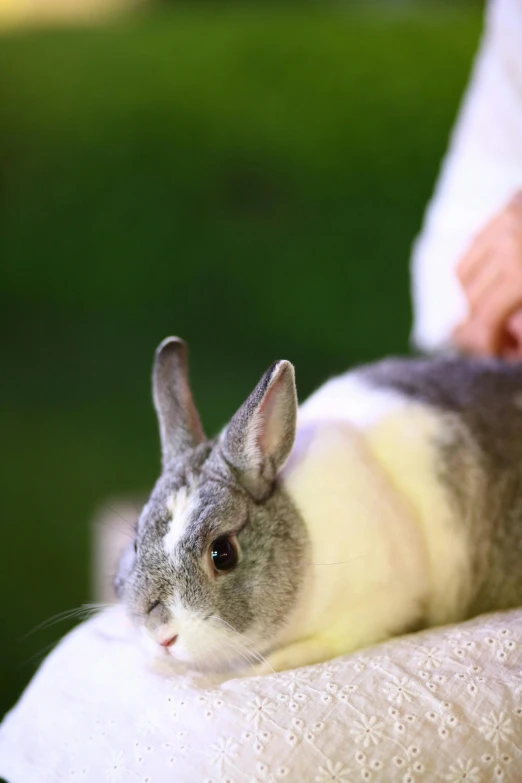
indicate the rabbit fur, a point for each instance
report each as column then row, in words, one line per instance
column 389, row 501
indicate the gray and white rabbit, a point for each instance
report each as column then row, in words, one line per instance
column 390, row 500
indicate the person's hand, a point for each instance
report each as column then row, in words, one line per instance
column 491, row 276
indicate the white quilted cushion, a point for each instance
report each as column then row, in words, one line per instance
column 442, row 705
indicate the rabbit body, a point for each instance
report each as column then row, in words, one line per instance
column 390, row 500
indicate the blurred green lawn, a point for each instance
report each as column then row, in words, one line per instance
column 249, row 179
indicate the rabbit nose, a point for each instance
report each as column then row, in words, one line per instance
column 159, row 624
column 169, row 642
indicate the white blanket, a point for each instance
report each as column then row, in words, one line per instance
column 442, row 705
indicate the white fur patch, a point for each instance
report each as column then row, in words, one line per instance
column 404, row 446
column 180, row 505
column 363, row 473
column 349, row 398
column 368, row 561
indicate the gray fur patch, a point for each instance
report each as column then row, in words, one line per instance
column 480, row 458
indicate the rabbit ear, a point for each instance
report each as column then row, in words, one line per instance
column 178, row 418
column 260, row 436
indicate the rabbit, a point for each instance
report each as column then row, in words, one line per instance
column 391, row 500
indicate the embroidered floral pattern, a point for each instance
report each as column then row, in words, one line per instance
column 445, row 704
column 463, row 772
column 368, row 730
column 333, row 772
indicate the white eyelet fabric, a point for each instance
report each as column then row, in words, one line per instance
column 441, row 705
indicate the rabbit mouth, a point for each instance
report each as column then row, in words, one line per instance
column 222, row 658
column 203, row 642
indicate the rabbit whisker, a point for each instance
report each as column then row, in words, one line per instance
column 80, row 612
column 247, row 642
column 132, row 525
column 39, row 654
column 243, row 654
column 340, row 562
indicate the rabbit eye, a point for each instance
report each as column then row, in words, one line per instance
column 135, row 546
column 223, row 552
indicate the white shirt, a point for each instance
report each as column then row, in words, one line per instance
column 481, row 172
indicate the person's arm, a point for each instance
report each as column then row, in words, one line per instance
column 481, row 173
column 490, row 273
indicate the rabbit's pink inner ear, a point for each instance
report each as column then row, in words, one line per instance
column 277, row 412
column 260, row 435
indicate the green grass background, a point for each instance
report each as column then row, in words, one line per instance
column 248, row 178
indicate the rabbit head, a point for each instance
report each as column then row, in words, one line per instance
column 220, row 552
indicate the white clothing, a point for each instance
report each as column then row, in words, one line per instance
column 481, row 172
